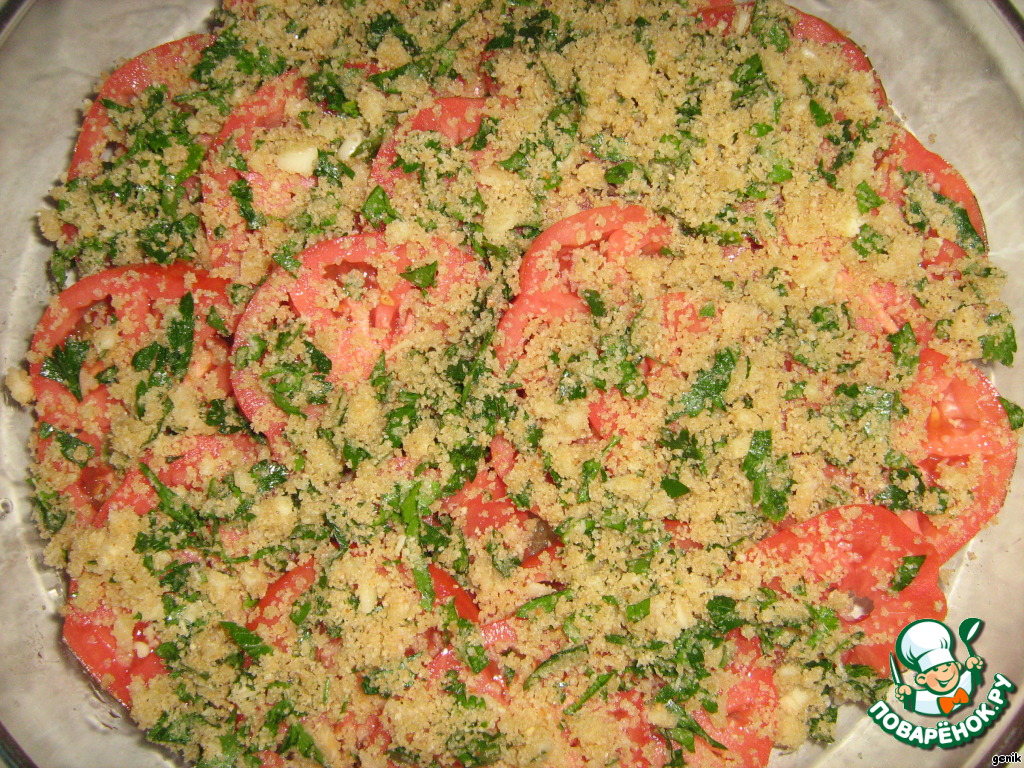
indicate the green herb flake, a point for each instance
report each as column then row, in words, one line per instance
column 722, row 612
column 478, row 141
column 268, row 475
column 819, row 114
column 180, row 336
column 904, row 347
column 749, row 77
column 618, row 174
column 1014, row 413
column 708, row 391
column 425, row 584
column 251, row 643
column 544, row 603
column 769, row 476
column 595, row 687
column 906, row 572
column 299, row 740
column 867, row 198
column 64, row 365
column 594, row 302
column 377, row 208
column 71, row 448
column 286, row 259
column 1001, row 346
column 638, row 611
column 242, row 192
column 673, row 488
column 869, row 241
column 422, row 277
column 564, row 659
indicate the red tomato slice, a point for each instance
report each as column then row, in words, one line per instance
column 713, row 13
column 944, row 262
column 963, row 417
column 628, row 737
column 167, row 64
column 647, row 748
column 881, row 309
column 546, row 292
column 270, row 759
column 447, row 588
column 750, row 705
column 198, row 458
column 681, row 321
column 89, row 483
column 857, row 550
column 481, row 504
column 227, row 230
column 907, row 153
column 90, row 636
column 747, row 738
column 457, row 118
column 966, row 416
column 547, row 306
column 269, row 618
column 122, row 298
column 488, row 682
column 612, row 236
column 353, row 332
column 114, row 310
column 808, row 27
column 617, row 232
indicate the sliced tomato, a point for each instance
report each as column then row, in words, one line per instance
column 447, row 588
column 712, row 14
column 90, row 636
column 858, row 550
column 269, row 617
column 646, row 748
column 748, row 741
column 167, row 65
column 682, row 322
column 627, row 737
column 456, row 118
column 351, row 332
column 489, row 681
column 270, row 759
column 481, row 504
column 243, row 8
column 197, row 459
column 612, row 234
column 110, row 316
column 542, row 306
column 963, row 418
column 89, row 478
column 715, row 14
column 615, row 232
column 881, row 308
column 226, row 185
column 966, row 416
column 121, row 299
column 808, row 27
column 609, row 238
column 748, row 730
column 908, row 154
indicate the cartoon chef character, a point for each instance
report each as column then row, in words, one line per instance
column 926, row 647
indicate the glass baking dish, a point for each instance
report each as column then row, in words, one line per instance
column 954, row 70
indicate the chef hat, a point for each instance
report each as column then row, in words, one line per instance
column 925, row 644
